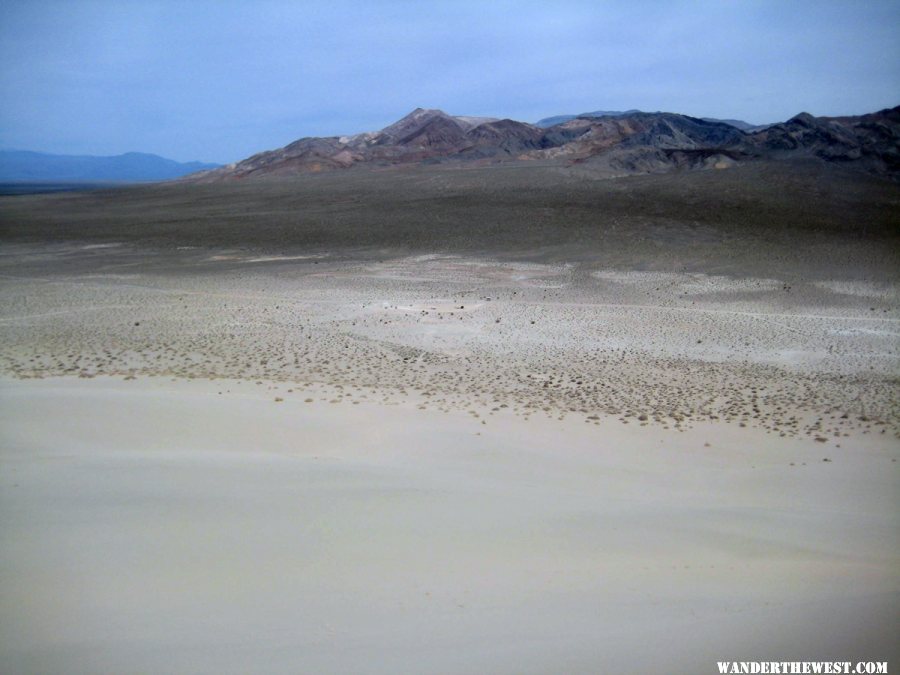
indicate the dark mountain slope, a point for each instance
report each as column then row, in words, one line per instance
column 872, row 141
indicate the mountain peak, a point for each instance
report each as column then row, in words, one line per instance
column 420, row 114
column 426, row 111
column 412, row 123
column 804, row 119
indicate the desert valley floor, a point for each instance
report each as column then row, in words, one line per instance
column 219, row 460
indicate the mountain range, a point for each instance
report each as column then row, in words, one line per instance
column 26, row 166
column 610, row 143
column 559, row 119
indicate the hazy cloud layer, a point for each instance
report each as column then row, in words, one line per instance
column 218, row 81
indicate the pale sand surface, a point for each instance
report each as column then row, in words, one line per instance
column 439, row 464
column 156, row 526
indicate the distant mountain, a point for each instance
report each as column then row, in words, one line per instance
column 608, row 143
column 871, row 141
column 559, row 119
column 738, row 124
column 423, row 135
column 25, row 166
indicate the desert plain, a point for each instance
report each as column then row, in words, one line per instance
column 482, row 421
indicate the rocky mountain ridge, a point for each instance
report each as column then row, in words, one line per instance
column 611, row 144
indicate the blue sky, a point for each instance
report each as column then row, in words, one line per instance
column 220, row 80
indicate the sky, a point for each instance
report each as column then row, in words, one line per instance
column 220, row 80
